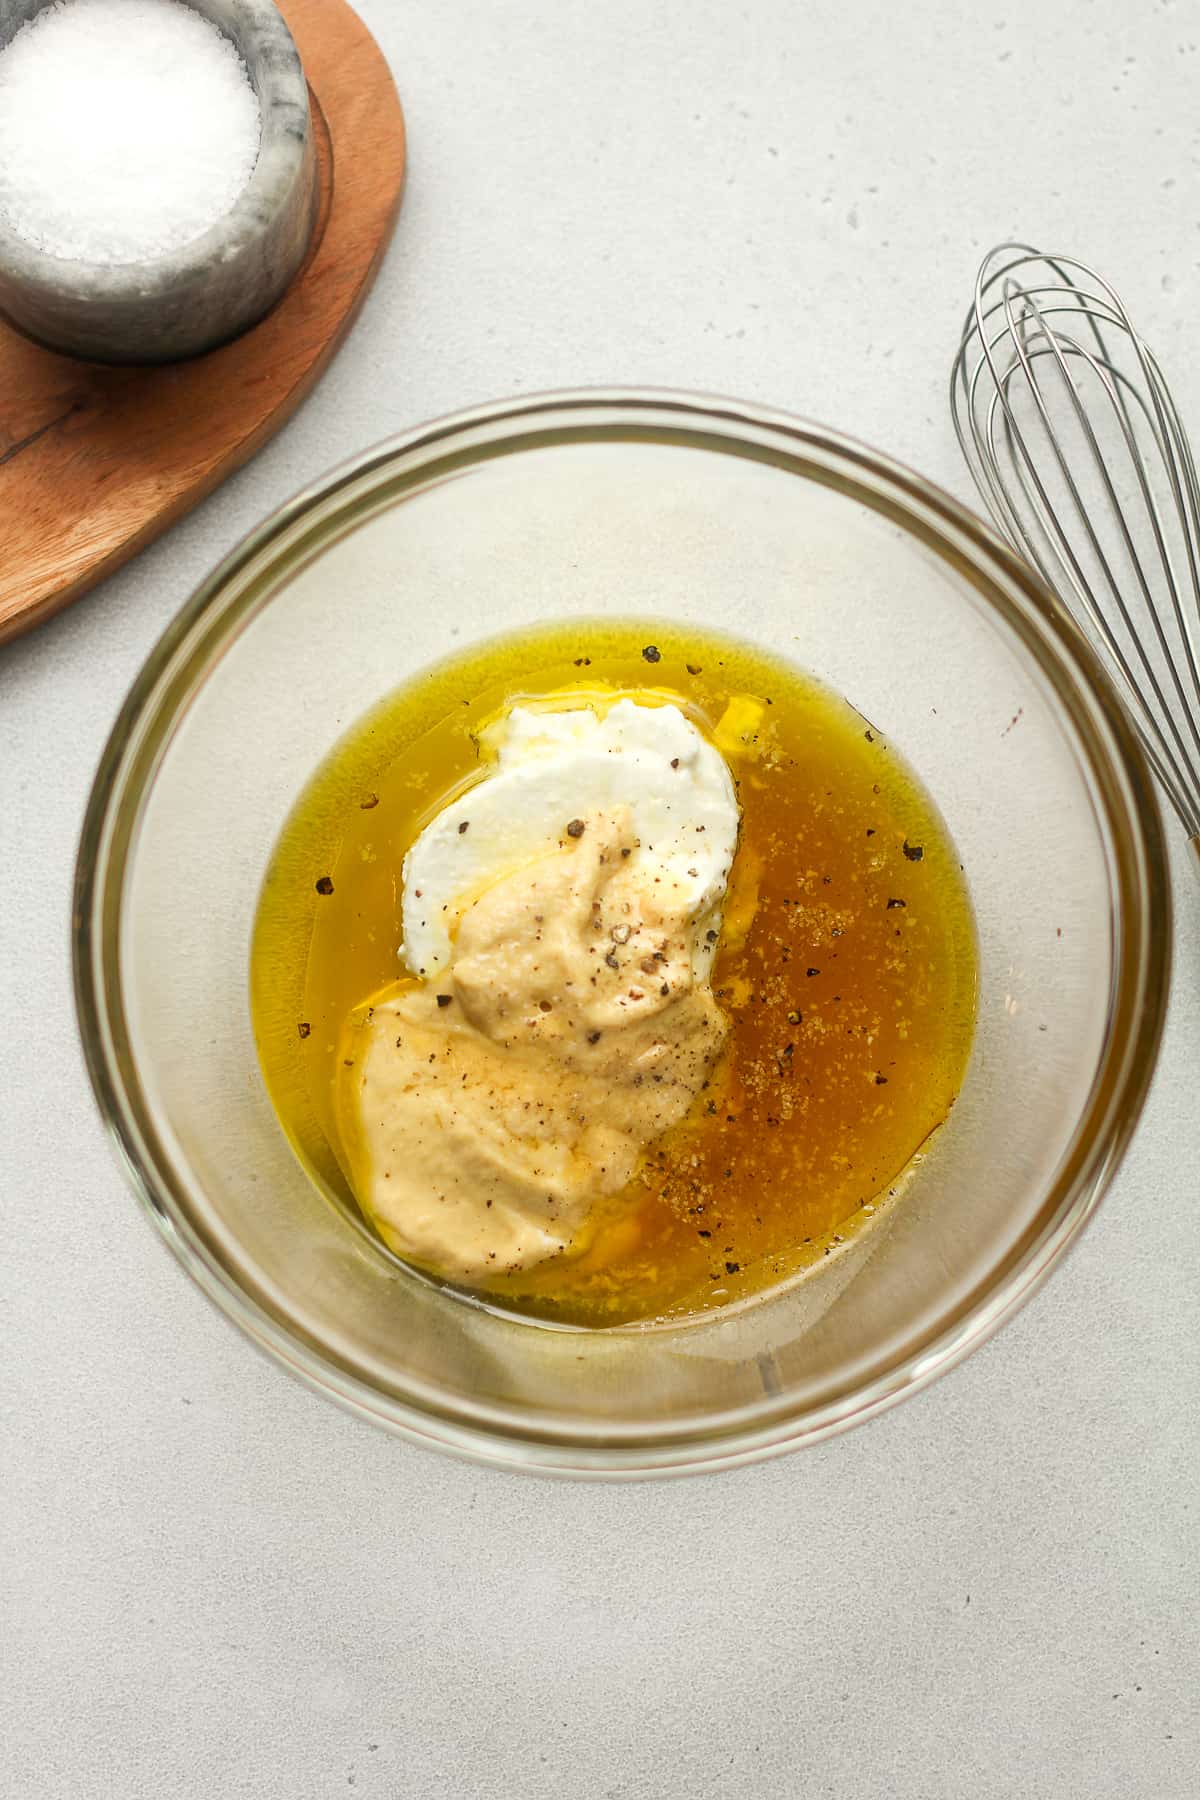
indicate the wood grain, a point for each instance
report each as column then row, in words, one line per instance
column 97, row 461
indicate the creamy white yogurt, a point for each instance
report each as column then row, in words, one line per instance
column 552, row 769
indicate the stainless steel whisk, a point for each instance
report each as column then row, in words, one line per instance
column 1078, row 450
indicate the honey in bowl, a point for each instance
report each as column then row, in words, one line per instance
column 845, row 964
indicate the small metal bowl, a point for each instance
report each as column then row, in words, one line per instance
column 169, row 307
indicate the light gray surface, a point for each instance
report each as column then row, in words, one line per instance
column 217, row 1584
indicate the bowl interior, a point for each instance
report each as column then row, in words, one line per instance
column 823, row 555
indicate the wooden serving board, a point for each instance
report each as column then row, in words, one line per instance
column 96, row 461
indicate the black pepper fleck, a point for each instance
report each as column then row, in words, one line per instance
column 444, row 999
column 914, row 852
column 303, row 1028
column 324, row 885
column 576, row 828
column 652, row 653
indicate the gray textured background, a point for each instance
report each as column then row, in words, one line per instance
column 216, row 1584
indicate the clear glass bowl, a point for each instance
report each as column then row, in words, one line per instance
column 736, row 519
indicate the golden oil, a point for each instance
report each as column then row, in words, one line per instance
column 847, row 960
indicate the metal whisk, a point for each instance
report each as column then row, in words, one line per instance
column 1078, row 450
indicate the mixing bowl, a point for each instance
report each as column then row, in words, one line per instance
column 704, row 512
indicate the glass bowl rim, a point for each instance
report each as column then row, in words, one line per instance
column 1131, row 821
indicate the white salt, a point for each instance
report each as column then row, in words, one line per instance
column 127, row 129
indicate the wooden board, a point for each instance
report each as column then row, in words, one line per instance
column 96, row 461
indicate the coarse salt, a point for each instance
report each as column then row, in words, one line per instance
column 127, row 129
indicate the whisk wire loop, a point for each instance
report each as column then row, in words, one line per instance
column 1079, row 452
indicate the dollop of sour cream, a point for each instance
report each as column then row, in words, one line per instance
column 560, row 921
column 550, row 769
